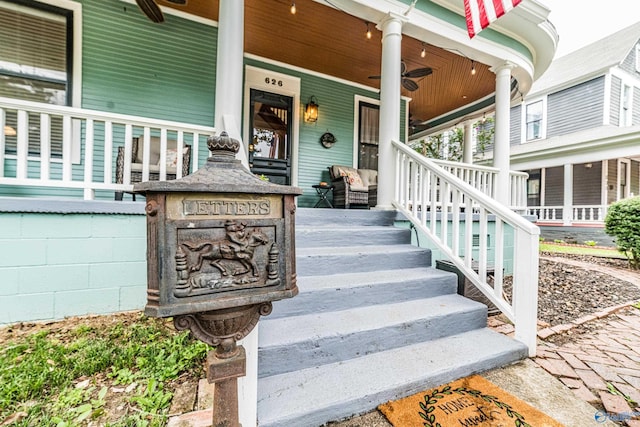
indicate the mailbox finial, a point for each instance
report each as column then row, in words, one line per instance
column 223, row 147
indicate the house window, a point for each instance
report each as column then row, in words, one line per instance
column 626, row 102
column 35, row 64
column 534, row 120
column 368, row 129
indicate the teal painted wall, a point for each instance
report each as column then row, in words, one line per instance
column 56, row 265
column 133, row 66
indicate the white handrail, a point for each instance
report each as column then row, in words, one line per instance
column 448, row 209
column 99, row 133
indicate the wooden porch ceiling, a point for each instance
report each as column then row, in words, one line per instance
column 332, row 42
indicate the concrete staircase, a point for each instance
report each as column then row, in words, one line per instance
column 373, row 322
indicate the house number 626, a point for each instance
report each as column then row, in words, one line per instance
column 273, row 82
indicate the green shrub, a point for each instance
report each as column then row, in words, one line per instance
column 623, row 223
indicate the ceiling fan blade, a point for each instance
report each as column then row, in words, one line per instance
column 403, row 68
column 419, row 72
column 409, row 85
column 151, row 9
column 374, row 77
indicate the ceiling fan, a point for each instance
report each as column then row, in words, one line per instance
column 152, row 10
column 416, row 125
column 407, row 83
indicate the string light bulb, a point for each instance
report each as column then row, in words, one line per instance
column 424, row 52
column 293, row 8
column 368, row 31
column 473, row 68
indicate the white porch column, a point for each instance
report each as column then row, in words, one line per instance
column 567, row 205
column 501, row 136
column 228, row 102
column 389, row 106
column 467, row 148
column 228, row 108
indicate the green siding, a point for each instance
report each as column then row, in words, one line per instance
column 133, row 66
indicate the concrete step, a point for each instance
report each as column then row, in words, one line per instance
column 319, row 294
column 323, row 338
column 339, row 235
column 353, row 259
column 314, row 396
column 344, row 217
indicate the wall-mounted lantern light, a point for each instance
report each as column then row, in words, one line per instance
column 311, row 110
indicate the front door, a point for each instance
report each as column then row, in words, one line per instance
column 270, row 121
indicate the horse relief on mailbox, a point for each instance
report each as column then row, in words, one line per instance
column 233, row 256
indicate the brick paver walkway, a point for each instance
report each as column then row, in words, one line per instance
column 602, row 367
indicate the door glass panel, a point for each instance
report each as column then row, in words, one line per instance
column 270, row 148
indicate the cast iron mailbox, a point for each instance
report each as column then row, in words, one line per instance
column 220, row 249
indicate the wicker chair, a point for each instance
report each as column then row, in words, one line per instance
column 354, row 186
column 154, row 159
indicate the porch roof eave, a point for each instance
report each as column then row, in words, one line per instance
column 524, row 37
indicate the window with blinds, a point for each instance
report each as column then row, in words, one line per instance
column 35, row 65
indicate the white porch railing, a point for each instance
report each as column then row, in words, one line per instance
column 589, row 214
column 448, row 211
column 88, row 147
column 483, row 178
column 546, row 213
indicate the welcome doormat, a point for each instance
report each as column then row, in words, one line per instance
column 471, row 401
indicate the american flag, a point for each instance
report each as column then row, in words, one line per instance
column 480, row 13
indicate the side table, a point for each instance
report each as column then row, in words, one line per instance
column 323, row 191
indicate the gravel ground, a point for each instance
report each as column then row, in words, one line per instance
column 568, row 292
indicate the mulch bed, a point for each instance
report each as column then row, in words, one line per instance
column 567, row 292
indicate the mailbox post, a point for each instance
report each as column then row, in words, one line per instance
column 220, row 249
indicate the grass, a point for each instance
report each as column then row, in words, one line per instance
column 580, row 250
column 68, row 379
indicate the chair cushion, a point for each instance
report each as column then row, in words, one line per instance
column 172, row 156
column 355, row 182
column 369, row 177
column 154, row 152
